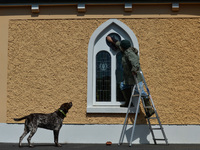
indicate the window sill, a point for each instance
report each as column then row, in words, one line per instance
column 109, row 109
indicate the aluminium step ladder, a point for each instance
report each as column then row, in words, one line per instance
column 140, row 97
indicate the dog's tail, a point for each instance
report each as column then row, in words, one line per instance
column 19, row 119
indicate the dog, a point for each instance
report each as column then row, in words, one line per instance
column 52, row 121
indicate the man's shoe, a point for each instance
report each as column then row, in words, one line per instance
column 148, row 114
column 149, row 111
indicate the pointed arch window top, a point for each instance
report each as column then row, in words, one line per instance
column 117, row 25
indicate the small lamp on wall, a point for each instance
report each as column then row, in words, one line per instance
column 128, row 7
column 35, row 8
column 175, row 6
column 81, row 7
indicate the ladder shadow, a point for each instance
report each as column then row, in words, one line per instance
column 141, row 130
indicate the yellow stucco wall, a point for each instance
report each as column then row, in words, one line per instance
column 47, row 66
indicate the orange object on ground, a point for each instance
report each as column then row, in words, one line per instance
column 108, row 143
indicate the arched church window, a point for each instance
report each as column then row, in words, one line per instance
column 105, row 72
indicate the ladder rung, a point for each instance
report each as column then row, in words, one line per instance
column 148, row 107
column 156, row 128
column 137, row 95
column 160, row 139
column 152, row 118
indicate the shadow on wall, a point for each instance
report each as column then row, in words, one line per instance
column 139, row 133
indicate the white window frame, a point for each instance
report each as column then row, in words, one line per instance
column 96, row 44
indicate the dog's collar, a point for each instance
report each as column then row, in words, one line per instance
column 62, row 112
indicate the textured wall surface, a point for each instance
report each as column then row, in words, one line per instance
column 47, row 66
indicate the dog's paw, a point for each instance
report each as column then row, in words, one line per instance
column 31, row 146
column 58, row 145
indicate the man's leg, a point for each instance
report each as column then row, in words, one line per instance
column 149, row 111
column 126, row 91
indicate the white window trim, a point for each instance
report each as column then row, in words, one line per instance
column 104, row 107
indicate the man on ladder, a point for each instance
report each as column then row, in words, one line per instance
column 131, row 68
column 133, row 76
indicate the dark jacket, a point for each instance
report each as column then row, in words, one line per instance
column 130, row 63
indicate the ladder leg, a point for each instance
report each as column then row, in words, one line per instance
column 137, row 111
column 136, row 114
column 162, row 130
column 125, row 121
column 157, row 117
column 151, row 130
column 149, row 123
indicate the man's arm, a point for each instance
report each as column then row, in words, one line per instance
column 114, row 42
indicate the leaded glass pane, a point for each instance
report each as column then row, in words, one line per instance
column 103, row 77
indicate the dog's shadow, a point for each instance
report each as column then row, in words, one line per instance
column 43, row 145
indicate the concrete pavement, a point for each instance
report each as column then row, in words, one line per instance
column 14, row 146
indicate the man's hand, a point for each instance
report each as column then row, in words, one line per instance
column 109, row 39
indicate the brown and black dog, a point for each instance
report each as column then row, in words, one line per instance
column 52, row 121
